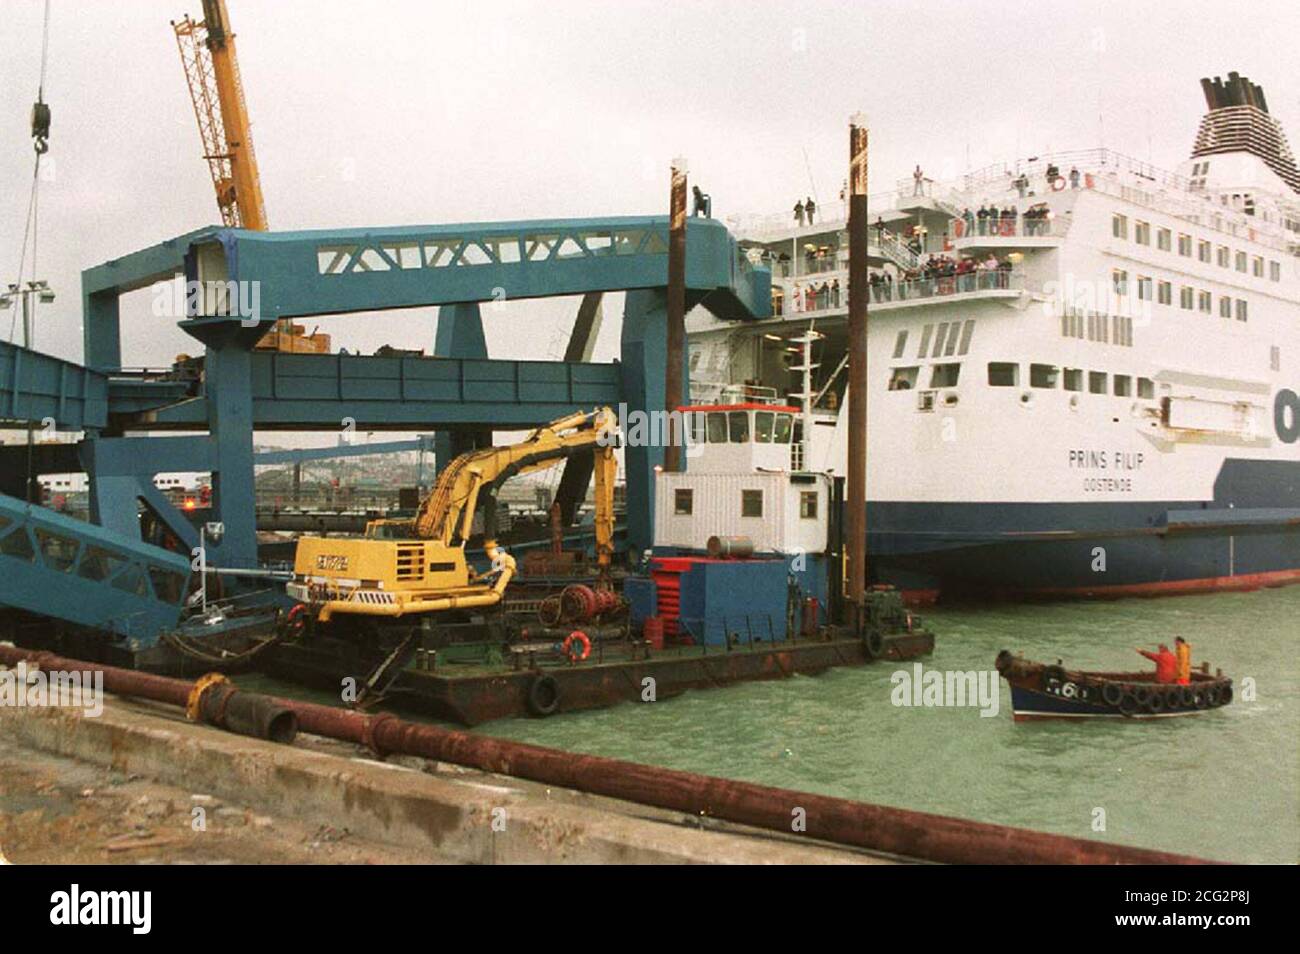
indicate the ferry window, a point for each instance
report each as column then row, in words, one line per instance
column 925, row 341
column 717, row 427
column 1241, row 262
column 751, row 503
column 783, row 430
column 1003, row 374
column 1146, row 388
column 1165, row 293
column 1163, row 239
column 1119, row 226
column 1274, row 362
column 1225, row 306
column 1186, row 297
column 967, row 329
column 1142, row 233
column 1123, row 385
column 939, row 338
column 1204, row 302
column 1119, row 279
column 808, row 505
column 904, row 379
column 696, row 428
column 1144, row 287
column 1224, row 253
column 763, row 421
column 683, row 502
column 900, row 343
column 1043, row 375
column 1185, row 245
column 1257, row 266
column 1073, row 379
column 1241, row 309
column 738, row 427
column 1203, row 250
column 1275, row 271
column 945, row 375
column 1097, row 382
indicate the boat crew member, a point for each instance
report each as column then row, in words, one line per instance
column 1166, row 664
column 1183, row 650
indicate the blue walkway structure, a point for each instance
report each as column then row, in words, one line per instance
column 249, row 280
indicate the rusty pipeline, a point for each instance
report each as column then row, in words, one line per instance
column 894, row 831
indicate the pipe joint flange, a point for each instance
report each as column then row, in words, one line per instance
column 371, row 730
column 193, row 705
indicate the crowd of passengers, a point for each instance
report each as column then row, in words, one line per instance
column 939, row 275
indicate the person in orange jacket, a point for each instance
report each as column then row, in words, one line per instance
column 1183, row 650
column 1166, row 664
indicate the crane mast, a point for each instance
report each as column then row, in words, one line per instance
column 207, row 52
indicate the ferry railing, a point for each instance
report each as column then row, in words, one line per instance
column 935, row 286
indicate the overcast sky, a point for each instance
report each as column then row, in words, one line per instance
column 426, row 112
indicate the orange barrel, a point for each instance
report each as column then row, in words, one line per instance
column 720, row 547
column 653, row 631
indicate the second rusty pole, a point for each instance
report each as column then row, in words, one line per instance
column 673, row 377
column 855, row 492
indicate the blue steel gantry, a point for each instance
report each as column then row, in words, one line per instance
column 248, row 280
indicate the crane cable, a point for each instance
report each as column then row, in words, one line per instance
column 40, row 136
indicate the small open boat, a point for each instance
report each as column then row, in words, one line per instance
column 1046, row 691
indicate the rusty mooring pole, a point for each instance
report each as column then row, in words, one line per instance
column 856, row 484
column 673, row 396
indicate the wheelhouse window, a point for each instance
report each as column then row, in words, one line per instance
column 1225, row 306
column 683, row 502
column 1224, row 255
column 1241, row 262
column 1187, row 297
column 1144, row 287
column 1204, row 302
column 717, row 427
column 1257, row 266
column 1004, row 374
column 1241, row 309
column 1203, row 251
column 1043, row 375
column 900, row 343
column 783, row 429
column 1165, row 293
column 738, row 427
column 751, row 503
column 1142, row 233
column 1185, row 245
column 764, row 422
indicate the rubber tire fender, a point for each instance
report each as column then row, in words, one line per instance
column 1142, row 694
column 543, row 695
column 874, row 642
column 1156, row 704
column 1112, row 694
column 1225, row 694
column 1128, row 705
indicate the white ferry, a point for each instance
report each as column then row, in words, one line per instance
column 1090, row 391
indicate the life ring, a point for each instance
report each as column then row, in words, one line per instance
column 577, row 636
column 1058, row 183
column 543, row 695
column 1174, row 697
column 1111, row 694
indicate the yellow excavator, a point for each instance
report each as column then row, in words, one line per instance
column 408, row 569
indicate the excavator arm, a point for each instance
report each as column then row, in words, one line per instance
column 447, row 513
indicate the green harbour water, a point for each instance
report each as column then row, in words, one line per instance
column 1223, row 785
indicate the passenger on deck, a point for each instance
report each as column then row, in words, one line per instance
column 1166, row 664
column 798, row 213
column 918, row 179
column 703, row 203
column 811, row 207
column 1183, row 650
column 1074, row 178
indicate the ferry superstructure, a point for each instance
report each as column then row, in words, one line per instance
column 1092, row 392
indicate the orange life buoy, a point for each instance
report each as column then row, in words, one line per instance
column 577, row 636
column 1058, row 183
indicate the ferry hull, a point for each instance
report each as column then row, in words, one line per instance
column 1247, row 538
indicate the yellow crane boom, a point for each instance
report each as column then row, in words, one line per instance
column 208, row 54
